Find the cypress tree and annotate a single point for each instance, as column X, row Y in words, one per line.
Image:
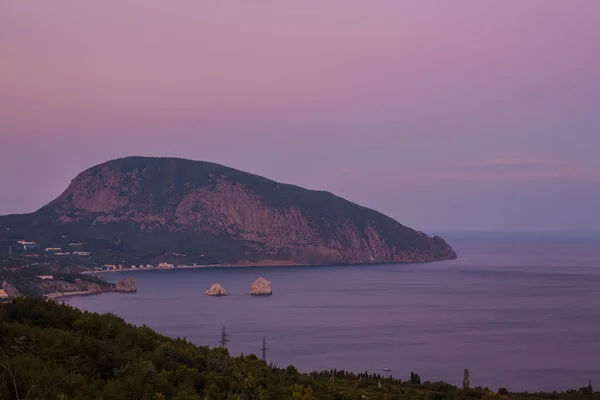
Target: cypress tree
column 465, row 384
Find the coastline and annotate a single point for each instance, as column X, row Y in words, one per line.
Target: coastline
column 154, row 269
column 279, row 263
column 63, row 295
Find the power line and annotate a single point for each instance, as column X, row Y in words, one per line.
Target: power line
column 224, row 338
column 264, row 350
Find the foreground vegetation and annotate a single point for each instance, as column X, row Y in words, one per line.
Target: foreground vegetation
column 53, row 351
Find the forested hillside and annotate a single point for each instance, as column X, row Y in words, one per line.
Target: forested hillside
column 52, row 351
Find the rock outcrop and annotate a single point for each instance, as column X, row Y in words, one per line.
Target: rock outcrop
column 216, row 290
column 126, row 285
column 54, row 288
column 261, row 287
column 94, row 288
column 217, row 214
column 75, row 287
column 10, row 290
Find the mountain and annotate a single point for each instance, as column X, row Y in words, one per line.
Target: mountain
column 201, row 211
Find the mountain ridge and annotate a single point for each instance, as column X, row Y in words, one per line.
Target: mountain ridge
column 151, row 206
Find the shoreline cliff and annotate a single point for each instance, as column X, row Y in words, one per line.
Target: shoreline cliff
column 58, row 289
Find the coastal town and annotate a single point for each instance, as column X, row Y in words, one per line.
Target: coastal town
column 87, row 263
column 71, row 267
column 142, row 267
column 33, row 249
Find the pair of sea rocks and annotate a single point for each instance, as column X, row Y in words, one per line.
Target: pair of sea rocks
column 260, row 287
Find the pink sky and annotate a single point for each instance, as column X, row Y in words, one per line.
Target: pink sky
column 444, row 115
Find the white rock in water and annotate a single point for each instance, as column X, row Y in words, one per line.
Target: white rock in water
column 261, row 287
column 216, row 290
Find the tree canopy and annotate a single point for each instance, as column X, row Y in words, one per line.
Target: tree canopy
column 53, row 351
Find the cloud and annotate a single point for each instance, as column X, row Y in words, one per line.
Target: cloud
column 524, row 169
column 351, row 171
column 506, row 163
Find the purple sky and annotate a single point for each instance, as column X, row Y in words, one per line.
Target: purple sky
column 446, row 115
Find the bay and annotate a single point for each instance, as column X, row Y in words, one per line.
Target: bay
column 521, row 311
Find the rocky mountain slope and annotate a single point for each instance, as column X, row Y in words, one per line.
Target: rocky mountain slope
column 153, row 206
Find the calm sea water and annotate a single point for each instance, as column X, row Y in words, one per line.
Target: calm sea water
column 520, row 311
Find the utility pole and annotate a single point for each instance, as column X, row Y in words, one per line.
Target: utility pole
column 224, row 338
column 264, row 350
column 10, row 250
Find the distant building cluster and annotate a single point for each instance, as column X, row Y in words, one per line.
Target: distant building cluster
column 62, row 251
column 112, row 267
column 54, row 251
column 28, row 246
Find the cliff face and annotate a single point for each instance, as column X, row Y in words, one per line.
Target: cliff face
column 10, row 290
column 177, row 205
column 83, row 287
column 126, row 285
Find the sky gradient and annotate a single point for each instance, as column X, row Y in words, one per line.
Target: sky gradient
column 462, row 115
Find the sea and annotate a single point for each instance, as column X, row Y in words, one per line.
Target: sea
column 520, row 311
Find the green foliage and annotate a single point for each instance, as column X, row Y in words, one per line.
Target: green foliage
column 51, row 351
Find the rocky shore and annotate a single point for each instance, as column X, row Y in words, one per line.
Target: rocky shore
column 125, row 285
column 54, row 289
